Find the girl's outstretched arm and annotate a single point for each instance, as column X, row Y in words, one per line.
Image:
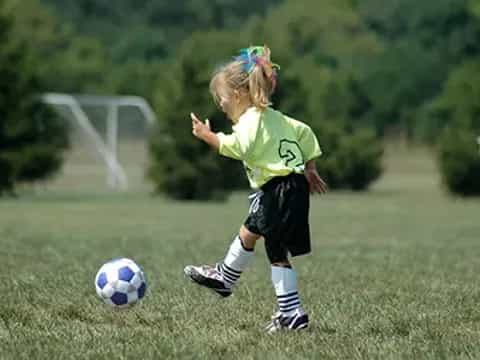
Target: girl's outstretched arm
column 202, row 131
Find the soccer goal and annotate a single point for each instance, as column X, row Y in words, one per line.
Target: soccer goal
column 96, row 122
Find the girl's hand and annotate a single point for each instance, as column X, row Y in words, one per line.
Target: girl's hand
column 317, row 185
column 200, row 129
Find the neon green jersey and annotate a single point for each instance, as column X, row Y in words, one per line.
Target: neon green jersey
column 269, row 144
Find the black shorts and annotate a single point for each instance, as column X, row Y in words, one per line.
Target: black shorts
column 279, row 212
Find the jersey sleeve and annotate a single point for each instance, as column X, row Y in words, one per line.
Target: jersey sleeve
column 307, row 140
column 239, row 144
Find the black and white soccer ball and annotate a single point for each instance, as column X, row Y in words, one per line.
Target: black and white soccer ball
column 120, row 283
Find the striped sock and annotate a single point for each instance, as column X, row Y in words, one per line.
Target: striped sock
column 235, row 261
column 288, row 303
column 285, row 283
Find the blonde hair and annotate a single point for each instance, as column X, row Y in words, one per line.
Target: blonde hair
column 257, row 79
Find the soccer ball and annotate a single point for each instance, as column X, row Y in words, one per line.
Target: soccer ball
column 120, row 283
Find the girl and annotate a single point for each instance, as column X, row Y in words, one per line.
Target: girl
column 278, row 153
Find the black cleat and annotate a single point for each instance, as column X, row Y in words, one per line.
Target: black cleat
column 298, row 320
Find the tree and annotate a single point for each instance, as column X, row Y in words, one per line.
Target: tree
column 458, row 104
column 422, row 40
column 31, row 136
column 459, row 160
column 181, row 166
column 63, row 60
column 152, row 29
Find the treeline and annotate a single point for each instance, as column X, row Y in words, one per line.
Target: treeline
column 386, row 67
column 397, row 55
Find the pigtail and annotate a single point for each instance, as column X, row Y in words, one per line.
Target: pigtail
column 253, row 71
column 260, row 87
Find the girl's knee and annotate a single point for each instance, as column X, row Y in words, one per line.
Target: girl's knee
column 284, row 263
column 249, row 238
column 247, row 235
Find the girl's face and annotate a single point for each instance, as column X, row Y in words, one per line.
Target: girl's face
column 233, row 103
column 227, row 104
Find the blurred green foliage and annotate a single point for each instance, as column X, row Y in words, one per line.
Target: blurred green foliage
column 351, row 160
column 152, row 29
column 32, row 137
column 459, row 159
column 377, row 67
column 182, row 166
column 423, row 42
column 458, row 107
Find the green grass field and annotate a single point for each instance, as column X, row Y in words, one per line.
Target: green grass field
column 394, row 274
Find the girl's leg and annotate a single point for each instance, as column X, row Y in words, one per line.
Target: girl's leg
column 238, row 256
column 284, row 280
column 290, row 314
column 224, row 275
column 249, row 238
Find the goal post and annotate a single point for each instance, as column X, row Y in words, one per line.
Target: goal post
column 106, row 149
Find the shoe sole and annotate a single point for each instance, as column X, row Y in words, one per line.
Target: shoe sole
column 212, row 284
column 273, row 330
column 300, row 323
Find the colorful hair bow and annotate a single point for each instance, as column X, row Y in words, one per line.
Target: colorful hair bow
column 257, row 55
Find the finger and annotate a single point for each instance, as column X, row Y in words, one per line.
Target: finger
column 317, row 185
column 311, row 187
column 207, row 122
column 322, row 181
column 322, row 187
column 194, row 117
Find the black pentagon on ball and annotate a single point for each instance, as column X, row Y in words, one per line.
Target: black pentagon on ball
column 141, row 290
column 125, row 273
column 119, row 298
column 102, row 280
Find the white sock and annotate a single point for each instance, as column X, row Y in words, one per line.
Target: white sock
column 235, row 261
column 285, row 282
